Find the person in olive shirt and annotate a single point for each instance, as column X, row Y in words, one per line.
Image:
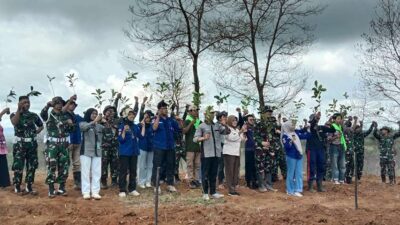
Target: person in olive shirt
column 26, row 126
column 193, row 153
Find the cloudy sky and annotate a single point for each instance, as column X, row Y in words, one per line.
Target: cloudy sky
column 44, row 37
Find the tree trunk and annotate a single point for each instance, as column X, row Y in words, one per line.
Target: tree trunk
column 261, row 97
column 196, row 80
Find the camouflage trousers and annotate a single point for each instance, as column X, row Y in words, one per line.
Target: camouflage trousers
column 328, row 168
column 279, row 162
column 360, row 162
column 57, row 159
column 264, row 161
column 109, row 158
column 24, row 153
column 349, row 165
column 180, row 153
column 387, row 168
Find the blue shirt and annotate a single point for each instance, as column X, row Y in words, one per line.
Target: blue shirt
column 128, row 146
column 163, row 138
column 145, row 142
column 76, row 136
column 290, row 147
column 250, row 143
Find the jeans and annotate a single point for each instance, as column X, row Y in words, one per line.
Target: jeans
column 90, row 167
column 294, row 178
column 316, row 164
column 145, row 166
column 337, row 162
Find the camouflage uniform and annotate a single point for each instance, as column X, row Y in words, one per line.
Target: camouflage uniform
column 386, row 155
column 25, row 147
column 328, row 168
column 57, row 157
column 280, row 157
column 359, row 149
column 180, row 152
column 264, row 157
column 109, row 147
column 349, row 136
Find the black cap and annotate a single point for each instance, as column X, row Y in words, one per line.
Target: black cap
column 149, row 112
column 58, row 100
column 221, row 114
column 386, row 128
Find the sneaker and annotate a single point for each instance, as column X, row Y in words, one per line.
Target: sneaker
column 61, row 190
column 148, row 185
column 142, row 186
column 290, row 194
column 336, row 182
column 171, row 188
column 134, row 193
column 297, row 194
column 341, row 182
column 122, row 194
column 233, row 194
column 270, row 188
column 30, row 190
column 217, row 196
column 96, row 196
column 86, row 196
column 206, row 197
column 262, row 189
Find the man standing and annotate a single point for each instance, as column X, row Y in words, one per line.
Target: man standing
column 75, row 144
column 26, row 127
column 264, row 152
column 250, row 146
column 193, row 154
column 164, row 128
column 359, row 136
column 59, row 126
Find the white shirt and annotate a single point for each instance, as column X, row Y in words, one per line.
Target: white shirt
column 232, row 142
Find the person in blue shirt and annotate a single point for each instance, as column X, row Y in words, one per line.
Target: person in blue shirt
column 164, row 128
column 294, row 157
column 250, row 146
column 146, row 151
column 128, row 134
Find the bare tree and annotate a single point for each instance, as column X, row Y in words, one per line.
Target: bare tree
column 380, row 61
column 262, row 41
column 176, row 27
column 173, row 84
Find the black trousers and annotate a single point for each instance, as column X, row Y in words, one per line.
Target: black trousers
column 165, row 159
column 128, row 164
column 4, row 175
column 209, row 169
column 250, row 167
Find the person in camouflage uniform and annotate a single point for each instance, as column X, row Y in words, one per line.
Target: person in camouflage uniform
column 359, row 136
column 348, row 132
column 264, row 151
column 180, row 152
column 386, row 154
column 59, row 125
column 109, row 147
column 26, row 126
column 328, row 169
column 273, row 128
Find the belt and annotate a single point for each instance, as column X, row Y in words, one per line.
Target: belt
column 53, row 139
column 20, row 139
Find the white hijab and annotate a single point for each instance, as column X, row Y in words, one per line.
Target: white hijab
column 288, row 129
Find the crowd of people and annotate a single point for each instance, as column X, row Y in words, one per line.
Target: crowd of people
column 110, row 145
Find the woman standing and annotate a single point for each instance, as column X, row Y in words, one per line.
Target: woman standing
column 231, row 154
column 128, row 134
column 4, row 175
column 294, row 157
column 91, row 154
column 146, row 153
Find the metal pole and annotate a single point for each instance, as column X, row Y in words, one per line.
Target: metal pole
column 156, row 196
column 356, row 181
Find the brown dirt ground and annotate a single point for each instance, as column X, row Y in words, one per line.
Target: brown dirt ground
column 379, row 204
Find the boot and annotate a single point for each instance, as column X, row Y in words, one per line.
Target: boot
column 17, row 189
column 320, row 187
column 52, row 193
column 114, row 182
column 349, row 180
column 61, row 190
column 30, row 190
column 77, row 180
column 104, row 184
column 310, row 186
column 383, row 179
column 261, row 183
